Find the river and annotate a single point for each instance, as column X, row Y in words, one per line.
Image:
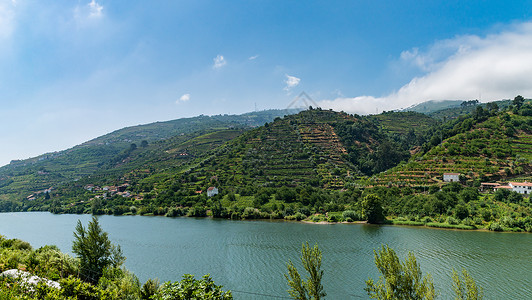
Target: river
column 249, row 257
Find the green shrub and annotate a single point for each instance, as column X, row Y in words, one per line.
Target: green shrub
column 191, row 288
column 494, row 226
column 353, row 215
column 452, row 221
column 426, row 219
column 468, row 222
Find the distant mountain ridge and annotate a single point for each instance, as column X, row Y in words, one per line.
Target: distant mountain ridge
column 430, row 106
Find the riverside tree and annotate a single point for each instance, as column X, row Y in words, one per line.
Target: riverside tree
column 372, row 209
column 95, row 251
column 312, row 287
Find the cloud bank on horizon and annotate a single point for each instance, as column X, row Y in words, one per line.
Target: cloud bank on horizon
column 494, row 67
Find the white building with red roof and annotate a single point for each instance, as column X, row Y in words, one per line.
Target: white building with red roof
column 521, row 187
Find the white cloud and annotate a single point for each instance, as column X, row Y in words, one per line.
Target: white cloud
column 219, row 61
column 253, row 57
column 291, row 82
column 183, row 98
column 95, row 9
column 497, row 66
column 86, row 14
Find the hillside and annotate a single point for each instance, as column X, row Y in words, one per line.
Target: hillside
column 119, row 151
column 482, row 147
column 316, row 149
column 320, row 165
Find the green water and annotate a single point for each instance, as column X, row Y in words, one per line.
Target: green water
column 250, row 256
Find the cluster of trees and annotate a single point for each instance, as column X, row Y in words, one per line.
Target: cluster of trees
column 401, row 280
column 96, row 273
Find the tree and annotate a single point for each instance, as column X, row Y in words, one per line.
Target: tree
column 372, row 209
column 95, row 251
column 492, row 107
column 150, row 288
column 461, row 211
column 518, row 101
column 144, row 144
column 399, row 280
column 312, row 287
column 466, row 289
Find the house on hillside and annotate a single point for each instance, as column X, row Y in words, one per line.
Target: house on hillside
column 496, row 188
column 521, row 187
column 488, row 186
column 524, row 188
column 212, row 191
column 451, row 177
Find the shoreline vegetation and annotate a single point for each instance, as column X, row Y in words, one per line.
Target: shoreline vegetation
column 452, row 206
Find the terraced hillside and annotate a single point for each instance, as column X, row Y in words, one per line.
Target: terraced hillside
column 494, row 148
column 316, row 148
column 123, row 150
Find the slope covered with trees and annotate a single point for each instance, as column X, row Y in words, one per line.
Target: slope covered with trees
column 113, row 151
column 320, row 165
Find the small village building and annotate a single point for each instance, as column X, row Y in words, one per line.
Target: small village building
column 507, row 187
column 451, row 177
column 212, row 191
column 521, row 187
column 488, row 186
column 524, row 188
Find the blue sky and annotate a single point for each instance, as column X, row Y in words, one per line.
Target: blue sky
column 74, row 70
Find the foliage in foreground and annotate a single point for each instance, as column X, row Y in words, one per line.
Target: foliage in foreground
column 399, row 280
column 466, row 288
column 190, row 288
column 312, row 287
column 97, row 256
column 95, row 251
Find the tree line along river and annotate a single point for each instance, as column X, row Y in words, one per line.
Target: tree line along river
column 249, row 257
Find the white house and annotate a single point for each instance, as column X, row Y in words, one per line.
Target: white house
column 212, row 191
column 451, row 177
column 521, row 187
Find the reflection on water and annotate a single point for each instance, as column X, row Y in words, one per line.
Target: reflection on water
column 252, row 255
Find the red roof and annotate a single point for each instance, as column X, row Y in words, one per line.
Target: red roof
column 521, row 183
column 503, row 187
column 211, row 188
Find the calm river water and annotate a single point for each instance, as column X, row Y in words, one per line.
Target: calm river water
column 249, row 257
